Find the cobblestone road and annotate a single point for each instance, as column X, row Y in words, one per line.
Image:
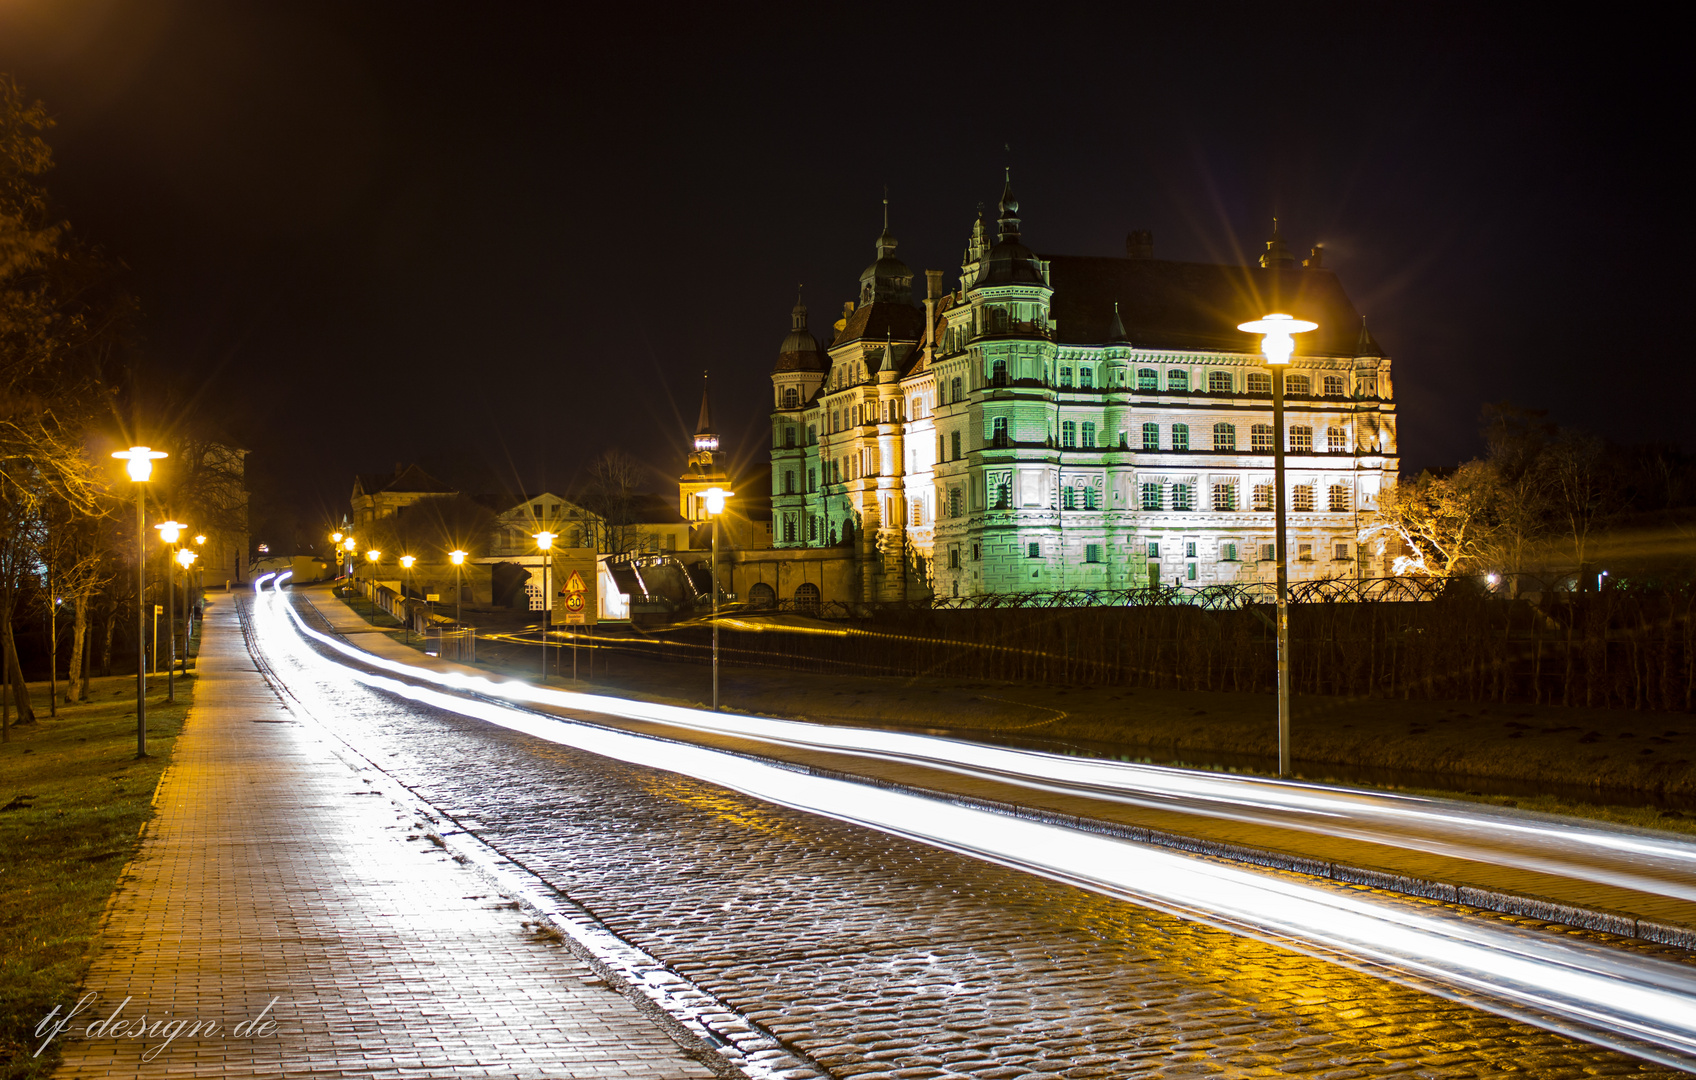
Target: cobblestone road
column 880, row 957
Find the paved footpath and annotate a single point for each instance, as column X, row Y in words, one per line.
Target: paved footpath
column 269, row 877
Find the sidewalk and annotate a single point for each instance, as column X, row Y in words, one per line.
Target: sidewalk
column 267, row 875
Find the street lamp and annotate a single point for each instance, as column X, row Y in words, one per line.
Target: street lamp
column 185, row 559
column 715, row 506
column 458, row 560
column 545, row 541
column 168, row 532
column 373, row 557
column 1277, row 344
column 200, row 576
column 138, row 462
column 406, row 562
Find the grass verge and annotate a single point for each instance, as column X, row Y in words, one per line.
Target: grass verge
column 76, row 799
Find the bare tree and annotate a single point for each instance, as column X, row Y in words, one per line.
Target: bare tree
column 610, row 497
column 1450, row 524
column 1579, row 488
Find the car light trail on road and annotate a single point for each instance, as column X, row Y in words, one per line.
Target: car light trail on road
column 1641, row 1005
column 1615, row 856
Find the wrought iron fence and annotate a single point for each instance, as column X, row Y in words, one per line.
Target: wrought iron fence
column 1535, row 642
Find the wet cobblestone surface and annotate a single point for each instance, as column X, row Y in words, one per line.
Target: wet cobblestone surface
column 879, row 957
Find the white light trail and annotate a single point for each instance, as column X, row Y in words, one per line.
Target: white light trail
column 1642, row 1005
column 1610, row 855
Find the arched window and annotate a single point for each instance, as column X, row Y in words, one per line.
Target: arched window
column 1299, row 384
column 1180, row 436
column 1068, row 435
column 1260, row 438
column 954, row 389
column 1334, row 386
column 1224, row 436
column 1152, row 497
column 1086, row 377
column 1301, row 440
column 1148, row 379
column 998, row 373
column 1178, row 380
column 791, row 398
column 1218, row 382
column 1338, row 498
column 761, row 596
column 1088, row 435
column 1151, row 436
column 1301, row 498
column 1259, row 382
column 1336, row 440
column 998, row 431
column 1065, row 377
column 807, row 595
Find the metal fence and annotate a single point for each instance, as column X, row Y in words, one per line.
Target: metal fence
column 459, row 645
column 1623, row 647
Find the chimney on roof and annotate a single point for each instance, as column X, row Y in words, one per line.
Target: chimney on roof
column 1316, row 260
column 1139, row 244
column 933, row 284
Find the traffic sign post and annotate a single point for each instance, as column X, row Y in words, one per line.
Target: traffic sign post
column 576, row 600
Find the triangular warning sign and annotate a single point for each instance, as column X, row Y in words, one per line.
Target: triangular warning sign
column 575, row 583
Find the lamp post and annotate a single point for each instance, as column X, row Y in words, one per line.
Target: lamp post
column 200, row 575
column 168, row 532
column 185, row 559
column 715, row 506
column 374, row 557
column 1277, row 344
column 336, row 544
column 406, row 562
column 138, row 462
column 458, row 560
column 545, row 541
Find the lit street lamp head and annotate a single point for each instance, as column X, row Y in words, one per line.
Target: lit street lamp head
column 715, row 499
column 1277, row 344
column 351, row 544
column 545, row 539
column 201, row 539
column 187, row 556
column 336, row 538
column 373, row 555
column 457, row 558
column 138, row 461
column 407, row 561
column 170, row 530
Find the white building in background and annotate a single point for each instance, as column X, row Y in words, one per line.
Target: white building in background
column 1077, row 422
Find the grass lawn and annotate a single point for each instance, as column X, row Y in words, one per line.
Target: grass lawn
column 61, row 854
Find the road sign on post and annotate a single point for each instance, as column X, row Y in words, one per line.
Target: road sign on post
column 576, row 599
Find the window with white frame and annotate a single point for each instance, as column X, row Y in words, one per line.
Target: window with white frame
column 1151, row 499
column 1065, row 376
column 1087, row 436
column 1259, row 382
column 1268, row 552
column 1304, row 552
column 1299, row 384
column 1301, row 440
column 998, row 431
column 1341, row 551
column 1218, row 382
column 1337, row 498
column 1154, row 549
column 1178, row 379
column 1033, row 550
column 1183, row 496
column 1068, row 499
column 1333, row 386
column 1092, row 553
column 954, row 389
column 1336, row 440
column 998, row 373
column 1228, row 551
column 1189, row 549
column 1001, row 490
column 1148, row 379
column 1262, row 495
column 1225, row 495
column 1301, row 498
column 1068, row 434
column 1151, row 436
column 1224, row 436
column 1086, row 377
column 1180, row 436
column 1260, row 438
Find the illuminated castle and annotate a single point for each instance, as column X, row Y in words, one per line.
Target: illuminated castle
column 1077, row 422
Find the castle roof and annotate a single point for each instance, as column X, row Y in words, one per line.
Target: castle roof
column 1164, row 304
column 410, row 479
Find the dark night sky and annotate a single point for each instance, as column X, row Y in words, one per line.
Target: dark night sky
column 524, row 232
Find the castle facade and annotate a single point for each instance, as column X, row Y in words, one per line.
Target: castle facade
column 1077, row 422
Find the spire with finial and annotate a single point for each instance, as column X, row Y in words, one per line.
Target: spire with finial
column 1365, row 346
column 1116, row 329
column 704, row 433
column 1277, row 256
column 798, row 314
column 1009, row 220
column 886, row 243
